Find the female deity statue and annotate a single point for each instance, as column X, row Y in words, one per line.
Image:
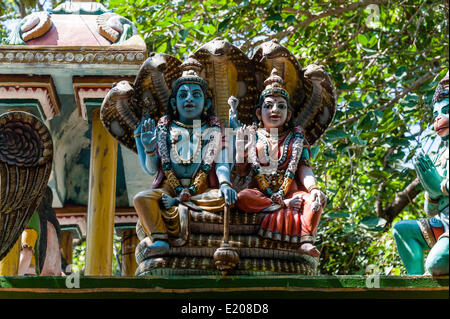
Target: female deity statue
column 283, row 186
column 414, row 237
column 184, row 157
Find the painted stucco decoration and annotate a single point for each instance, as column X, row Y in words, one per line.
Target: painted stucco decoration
column 26, row 155
column 31, row 27
column 115, row 28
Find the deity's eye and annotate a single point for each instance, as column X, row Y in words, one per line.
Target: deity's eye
column 182, row 94
column 197, row 94
column 445, row 109
column 282, row 106
column 267, row 105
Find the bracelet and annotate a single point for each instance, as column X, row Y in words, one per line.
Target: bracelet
column 311, row 188
column 151, row 153
column 225, row 182
column 26, row 246
column 137, row 135
column 431, row 200
column 444, row 187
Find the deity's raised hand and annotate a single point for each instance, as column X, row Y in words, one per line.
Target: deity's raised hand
column 241, row 147
column 149, row 137
column 233, row 102
column 428, row 175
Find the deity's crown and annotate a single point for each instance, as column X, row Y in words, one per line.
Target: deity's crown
column 442, row 89
column 274, row 86
column 191, row 69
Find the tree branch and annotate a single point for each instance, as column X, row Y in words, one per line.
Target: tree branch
column 340, row 10
column 401, row 200
column 405, row 91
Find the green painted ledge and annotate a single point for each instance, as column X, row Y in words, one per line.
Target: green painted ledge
column 235, row 287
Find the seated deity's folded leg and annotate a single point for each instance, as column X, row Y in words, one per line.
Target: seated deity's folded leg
column 252, row 201
column 153, row 217
column 158, row 223
column 308, row 223
column 284, row 224
column 309, row 219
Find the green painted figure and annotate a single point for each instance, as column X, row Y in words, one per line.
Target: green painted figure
column 414, row 237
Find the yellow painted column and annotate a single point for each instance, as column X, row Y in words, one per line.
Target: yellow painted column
column 102, row 200
column 129, row 243
column 9, row 266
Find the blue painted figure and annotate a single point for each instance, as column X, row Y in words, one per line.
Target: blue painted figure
column 414, row 237
column 187, row 157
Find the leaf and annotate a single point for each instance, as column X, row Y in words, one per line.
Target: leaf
column 336, row 134
column 366, row 122
column 373, row 223
column 340, row 214
column 378, row 174
column 362, row 39
column 401, row 71
column 275, row 17
column 358, row 141
column 184, row 33
column 339, row 67
column 356, row 104
column 314, row 151
column 396, row 141
column 329, row 154
column 223, row 25
column 373, row 40
column 290, row 19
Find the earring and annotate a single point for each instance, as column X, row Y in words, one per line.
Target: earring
column 175, row 113
column 260, row 124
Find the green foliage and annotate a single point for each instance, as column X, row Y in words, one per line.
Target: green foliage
column 385, row 73
column 79, row 256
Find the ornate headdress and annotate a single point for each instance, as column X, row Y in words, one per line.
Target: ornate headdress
column 442, row 89
column 191, row 69
column 274, row 87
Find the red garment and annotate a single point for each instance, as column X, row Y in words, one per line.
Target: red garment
column 284, row 224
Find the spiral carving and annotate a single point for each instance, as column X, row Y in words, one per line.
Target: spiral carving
column 24, row 141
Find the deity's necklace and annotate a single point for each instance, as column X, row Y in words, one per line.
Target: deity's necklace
column 212, row 149
column 265, row 137
column 174, row 151
column 261, row 179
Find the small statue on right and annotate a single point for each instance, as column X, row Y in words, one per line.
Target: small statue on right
column 414, row 237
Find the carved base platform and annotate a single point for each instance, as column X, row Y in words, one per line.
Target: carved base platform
column 257, row 256
column 205, row 266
